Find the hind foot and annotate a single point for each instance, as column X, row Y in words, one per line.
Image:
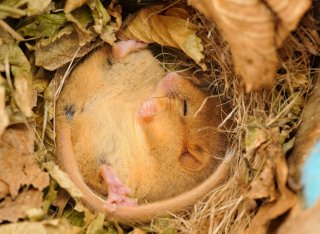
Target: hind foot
column 117, row 191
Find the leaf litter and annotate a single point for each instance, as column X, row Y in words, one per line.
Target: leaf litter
column 238, row 48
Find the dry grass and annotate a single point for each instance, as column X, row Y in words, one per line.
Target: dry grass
column 227, row 209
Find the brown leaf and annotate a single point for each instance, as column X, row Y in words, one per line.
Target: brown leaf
column 61, row 201
column 137, row 231
column 4, row 189
column 18, row 165
column 53, row 226
column 65, row 48
column 289, row 14
column 62, row 179
column 263, row 187
column 304, row 222
column 14, row 209
column 169, row 27
column 4, row 118
column 255, row 30
column 285, row 198
column 23, row 95
column 73, row 4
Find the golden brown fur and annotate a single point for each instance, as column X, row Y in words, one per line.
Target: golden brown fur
column 97, row 123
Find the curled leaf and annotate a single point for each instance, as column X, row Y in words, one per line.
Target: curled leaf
column 104, row 24
column 255, row 30
column 166, row 27
column 62, row 179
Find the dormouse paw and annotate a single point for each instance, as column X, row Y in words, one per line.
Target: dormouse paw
column 122, row 48
column 117, row 192
column 147, row 110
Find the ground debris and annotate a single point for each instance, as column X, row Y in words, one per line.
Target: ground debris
column 19, row 171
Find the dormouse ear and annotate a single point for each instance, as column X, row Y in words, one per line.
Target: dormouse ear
column 191, row 163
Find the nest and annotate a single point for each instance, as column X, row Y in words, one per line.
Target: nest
column 262, row 137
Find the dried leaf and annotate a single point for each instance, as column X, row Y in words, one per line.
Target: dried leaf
column 19, row 8
column 263, row 187
column 289, row 14
column 137, row 231
column 73, row 4
column 4, row 118
column 18, row 167
column 14, row 209
column 304, row 222
column 255, row 136
column 96, row 226
column 20, row 69
column 61, row 201
column 167, row 28
column 286, row 199
column 23, row 95
column 62, row 179
column 104, row 25
column 65, row 48
column 82, row 18
column 35, row 214
column 53, row 226
column 4, row 189
column 254, row 30
column 8, row 29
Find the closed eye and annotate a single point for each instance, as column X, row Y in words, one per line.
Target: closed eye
column 185, row 107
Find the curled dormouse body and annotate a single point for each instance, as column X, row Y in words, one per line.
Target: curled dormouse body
column 150, row 134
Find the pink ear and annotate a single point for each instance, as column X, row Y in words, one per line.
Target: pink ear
column 147, row 110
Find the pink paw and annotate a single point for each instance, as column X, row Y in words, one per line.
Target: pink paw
column 147, row 110
column 122, row 48
column 117, row 192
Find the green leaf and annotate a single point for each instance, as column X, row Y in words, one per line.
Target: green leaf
column 103, row 24
column 99, row 13
column 44, row 25
column 50, row 196
column 74, row 217
column 82, row 17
